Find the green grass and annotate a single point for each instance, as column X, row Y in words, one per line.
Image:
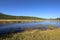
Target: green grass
column 34, row 35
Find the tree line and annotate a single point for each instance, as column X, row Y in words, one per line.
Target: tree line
column 5, row 16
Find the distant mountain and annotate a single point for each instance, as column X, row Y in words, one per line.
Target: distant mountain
column 5, row 16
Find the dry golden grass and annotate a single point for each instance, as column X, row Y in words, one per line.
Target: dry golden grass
column 36, row 35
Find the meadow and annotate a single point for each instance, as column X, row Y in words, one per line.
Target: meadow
column 34, row 35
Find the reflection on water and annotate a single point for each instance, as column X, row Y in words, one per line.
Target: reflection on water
column 4, row 28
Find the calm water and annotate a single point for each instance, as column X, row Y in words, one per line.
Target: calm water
column 5, row 28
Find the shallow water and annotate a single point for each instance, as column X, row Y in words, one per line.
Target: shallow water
column 5, row 28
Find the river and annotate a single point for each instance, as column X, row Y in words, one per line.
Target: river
column 6, row 28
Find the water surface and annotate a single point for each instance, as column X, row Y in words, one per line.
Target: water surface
column 5, row 28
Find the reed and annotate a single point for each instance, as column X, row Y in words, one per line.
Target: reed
column 34, row 35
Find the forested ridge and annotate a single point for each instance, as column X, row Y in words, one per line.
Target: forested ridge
column 5, row 16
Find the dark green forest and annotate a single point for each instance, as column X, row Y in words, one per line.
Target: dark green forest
column 5, row 16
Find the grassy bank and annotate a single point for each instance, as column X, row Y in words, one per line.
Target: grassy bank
column 34, row 35
column 18, row 21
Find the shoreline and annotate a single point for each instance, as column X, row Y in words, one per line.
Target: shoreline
column 18, row 21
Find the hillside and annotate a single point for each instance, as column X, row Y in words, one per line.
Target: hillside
column 5, row 16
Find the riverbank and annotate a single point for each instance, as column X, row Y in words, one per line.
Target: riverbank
column 18, row 21
column 34, row 35
column 3, row 21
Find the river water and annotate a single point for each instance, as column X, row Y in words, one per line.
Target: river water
column 6, row 28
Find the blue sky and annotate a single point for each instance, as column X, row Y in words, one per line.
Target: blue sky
column 38, row 8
